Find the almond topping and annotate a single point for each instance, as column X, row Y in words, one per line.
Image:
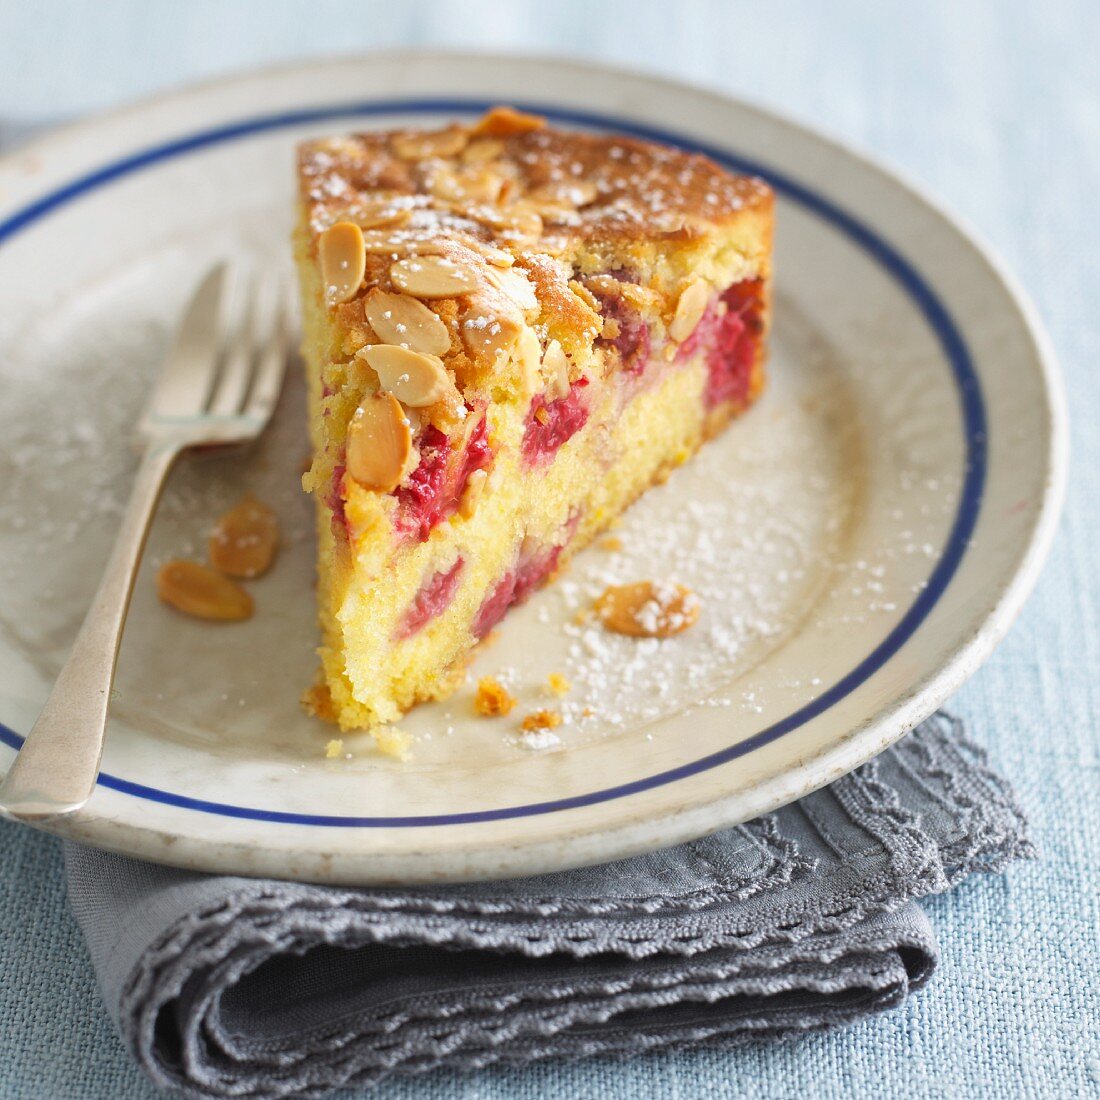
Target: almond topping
column 414, row 379
column 432, row 277
column 437, row 143
column 489, row 337
column 566, row 193
column 343, row 261
column 505, row 121
column 492, row 699
column 689, row 310
column 475, row 486
column 374, row 217
column 197, row 590
column 400, row 319
column 647, row 609
column 244, row 542
column 555, row 371
column 518, row 287
column 379, row 443
column 482, row 151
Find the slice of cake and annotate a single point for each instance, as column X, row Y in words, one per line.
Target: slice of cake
column 511, row 331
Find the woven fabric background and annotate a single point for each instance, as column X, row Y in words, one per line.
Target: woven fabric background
column 993, row 105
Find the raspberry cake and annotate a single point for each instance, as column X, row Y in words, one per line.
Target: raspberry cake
column 511, row 331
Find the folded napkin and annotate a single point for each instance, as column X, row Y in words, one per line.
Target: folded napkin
column 797, row 921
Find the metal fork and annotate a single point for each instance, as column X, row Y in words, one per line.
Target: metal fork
column 218, row 386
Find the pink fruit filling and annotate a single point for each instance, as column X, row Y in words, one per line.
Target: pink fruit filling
column 431, row 601
column 729, row 339
column 335, row 501
column 632, row 341
column 549, row 425
column 533, row 566
column 432, row 491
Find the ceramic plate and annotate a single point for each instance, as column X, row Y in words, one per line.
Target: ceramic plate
column 860, row 540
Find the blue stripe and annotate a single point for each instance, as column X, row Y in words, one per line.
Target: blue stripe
column 903, row 272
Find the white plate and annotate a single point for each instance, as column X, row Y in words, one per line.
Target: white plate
column 862, row 539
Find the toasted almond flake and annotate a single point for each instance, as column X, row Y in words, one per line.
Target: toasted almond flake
column 555, row 371
column 504, row 122
column 343, row 261
column 489, row 337
column 647, row 609
column 475, row 486
column 401, row 241
column 492, row 699
column 244, row 541
column 528, row 352
column 517, row 286
column 418, row 145
column 517, row 224
column 379, row 443
column 413, row 378
column 377, row 216
column 432, row 277
column 689, row 310
column 406, row 321
column 482, row 151
column 565, row 194
column 199, row 591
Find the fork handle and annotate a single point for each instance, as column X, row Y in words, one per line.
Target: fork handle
column 56, row 769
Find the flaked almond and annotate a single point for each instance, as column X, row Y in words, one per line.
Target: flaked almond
column 414, row 145
column 482, row 151
column 475, row 486
column 432, row 277
column 529, row 353
column 555, row 371
column 493, row 255
column 647, row 609
column 377, row 215
column 689, row 310
column 571, row 193
column 407, row 321
column 244, row 541
column 517, row 286
column 343, row 261
column 198, row 590
column 505, row 121
column 394, row 239
column 517, row 224
column 413, row 378
column 488, row 337
column 470, row 184
column 379, row 443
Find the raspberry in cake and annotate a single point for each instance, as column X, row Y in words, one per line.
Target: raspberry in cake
column 511, row 331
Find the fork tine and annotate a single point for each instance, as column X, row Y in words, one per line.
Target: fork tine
column 272, row 330
column 240, row 347
column 185, row 379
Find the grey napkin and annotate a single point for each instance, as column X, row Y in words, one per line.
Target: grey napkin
column 800, row 920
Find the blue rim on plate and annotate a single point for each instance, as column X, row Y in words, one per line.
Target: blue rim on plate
column 935, row 313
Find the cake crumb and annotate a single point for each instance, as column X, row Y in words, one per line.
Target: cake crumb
column 492, row 699
column 334, row 748
column 612, row 542
column 541, row 720
column 393, row 742
column 557, row 684
column 647, row 609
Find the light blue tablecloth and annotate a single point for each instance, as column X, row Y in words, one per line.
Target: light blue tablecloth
column 996, row 107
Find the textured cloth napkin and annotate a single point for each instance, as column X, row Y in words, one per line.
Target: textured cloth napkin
column 799, row 920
